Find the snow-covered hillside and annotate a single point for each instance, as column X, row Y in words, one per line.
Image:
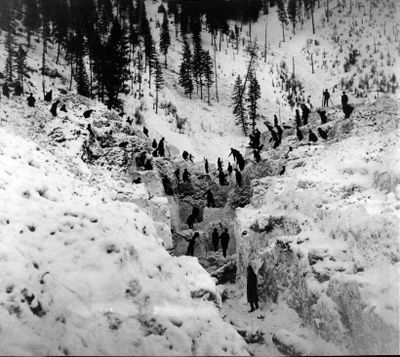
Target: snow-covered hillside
column 324, row 234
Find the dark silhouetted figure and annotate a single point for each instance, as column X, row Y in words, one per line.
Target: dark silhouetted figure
column 178, row 175
column 6, row 90
column 257, row 156
column 215, row 239
column 167, row 185
column 230, row 169
column 280, row 132
column 252, row 289
column 185, row 155
column 154, row 144
column 347, row 110
column 186, row 176
column 87, row 113
column 53, row 109
column 312, row 137
column 240, row 161
column 306, row 113
column 161, row 147
column 191, row 157
column 155, row 153
column 129, row 120
column 18, row 90
column 274, row 136
column 148, row 164
column 192, row 243
column 235, row 153
column 299, row 134
column 326, row 96
column 238, row 177
column 283, row 169
column 276, row 120
column 31, row 100
column 345, row 100
column 210, row 198
column 323, row 134
column 322, row 115
column 49, row 96
column 221, row 177
column 190, row 221
column 146, row 131
column 206, row 167
column 63, row 108
column 219, row 163
column 121, row 114
column 298, row 120
column 224, row 241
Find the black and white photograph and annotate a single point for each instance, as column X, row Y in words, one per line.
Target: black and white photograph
column 199, row 177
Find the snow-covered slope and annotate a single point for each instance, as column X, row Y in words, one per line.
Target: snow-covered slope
column 84, row 274
column 324, row 237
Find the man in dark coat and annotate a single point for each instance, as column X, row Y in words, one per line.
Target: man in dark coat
column 210, row 198
column 230, row 169
column 49, row 96
column 185, row 155
column 190, row 221
column 240, row 161
column 219, row 163
column 206, row 167
column 224, row 241
column 252, row 289
column 306, row 113
column 238, row 177
column 215, row 239
column 298, row 120
column 234, row 153
column 146, row 131
column 161, row 148
column 185, row 176
column 345, row 100
column 53, row 109
column 221, row 177
column 31, row 101
column 154, row 144
column 192, row 243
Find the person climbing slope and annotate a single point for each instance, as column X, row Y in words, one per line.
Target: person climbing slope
column 252, row 289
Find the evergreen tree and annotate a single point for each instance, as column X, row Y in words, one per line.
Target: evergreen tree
column 81, row 77
column 140, row 68
column 185, row 70
column 239, row 110
column 11, row 54
column 282, row 15
column 197, row 65
column 292, row 13
column 61, row 23
column 253, row 95
column 21, row 67
column 208, row 72
column 117, row 62
column 309, row 5
column 165, row 39
column 158, row 79
column 31, row 19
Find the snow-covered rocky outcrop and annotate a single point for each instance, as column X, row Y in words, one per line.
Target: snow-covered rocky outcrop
column 83, row 270
column 324, row 236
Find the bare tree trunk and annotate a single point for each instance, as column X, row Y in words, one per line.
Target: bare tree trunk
column 215, row 72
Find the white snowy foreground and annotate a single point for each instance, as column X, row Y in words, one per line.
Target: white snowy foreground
column 83, row 274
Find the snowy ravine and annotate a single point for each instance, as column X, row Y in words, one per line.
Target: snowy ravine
column 82, row 272
column 324, row 236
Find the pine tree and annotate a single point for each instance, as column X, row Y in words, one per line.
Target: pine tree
column 185, row 70
column 21, row 67
column 208, row 72
column 117, row 62
column 165, row 39
column 282, row 16
column 11, row 54
column 61, row 24
column 292, row 12
column 253, row 95
column 239, row 110
column 309, row 6
column 81, row 77
column 158, row 79
column 197, row 66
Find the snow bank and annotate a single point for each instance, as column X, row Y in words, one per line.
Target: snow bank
column 83, row 273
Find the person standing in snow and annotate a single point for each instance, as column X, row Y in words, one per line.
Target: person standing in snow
column 326, row 96
column 345, row 100
column 185, row 176
column 219, row 164
column 49, row 96
column 252, row 289
column 154, row 144
column 224, row 241
column 298, row 121
column 215, row 239
column 191, row 157
column 230, row 169
column 210, row 198
column 221, row 177
column 206, row 167
column 192, row 243
column 190, row 221
column 161, row 148
column 185, row 155
column 31, row 101
column 146, row 131
column 18, row 89
column 53, row 109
